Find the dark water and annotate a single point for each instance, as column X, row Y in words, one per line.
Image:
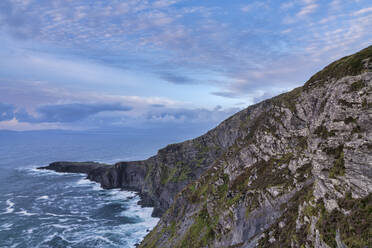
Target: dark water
column 48, row 209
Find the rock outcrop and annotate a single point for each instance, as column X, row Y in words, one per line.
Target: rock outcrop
column 291, row 171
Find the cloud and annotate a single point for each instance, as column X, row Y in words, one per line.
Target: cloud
column 64, row 113
column 19, row 23
column 254, row 5
column 362, row 11
column 122, row 52
column 287, row 5
column 164, row 3
column 182, row 115
column 177, row 79
column 16, row 125
column 157, row 105
column 227, row 94
column 308, row 9
column 263, row 97
column 6, row 111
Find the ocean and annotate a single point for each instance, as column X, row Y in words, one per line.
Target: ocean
column 49, row 209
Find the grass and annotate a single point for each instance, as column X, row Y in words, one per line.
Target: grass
column 338, row 168
column 347, row 66
column 200, row 233
column 289, row 234
column 356, row 86
column 355, row 228
column 323, row 132
column 289, row 99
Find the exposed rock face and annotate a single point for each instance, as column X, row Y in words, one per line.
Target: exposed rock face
column 292, row 171
column 298, row 173
column 159, row 178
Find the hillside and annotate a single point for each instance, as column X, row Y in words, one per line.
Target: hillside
column 291, row 171
column 298, row 174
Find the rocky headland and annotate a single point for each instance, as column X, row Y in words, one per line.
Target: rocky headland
column 291, row 171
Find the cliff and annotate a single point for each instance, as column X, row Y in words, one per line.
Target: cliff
column 291, row 171
column 159, row 178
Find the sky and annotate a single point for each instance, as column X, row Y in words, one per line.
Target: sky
column 112, row 64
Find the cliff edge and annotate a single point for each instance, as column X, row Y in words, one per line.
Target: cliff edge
column 291, row 171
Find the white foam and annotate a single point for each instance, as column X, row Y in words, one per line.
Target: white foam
column 94, row 237
column 86, row 182
column 25, row 213
column 6, row 226
column 117, row 194
column 10, row 208
column 61, row 226
column 44, row 197
column 63, row 220
column 41, row 172
column 52, row 236
column 58, row 215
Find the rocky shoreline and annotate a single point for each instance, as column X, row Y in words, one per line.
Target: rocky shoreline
column 277, row 174
column 104, row 175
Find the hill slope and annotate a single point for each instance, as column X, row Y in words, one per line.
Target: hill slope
column 297, row 171
column 291, row 171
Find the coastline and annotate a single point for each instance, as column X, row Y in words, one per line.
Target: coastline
column 92, row 170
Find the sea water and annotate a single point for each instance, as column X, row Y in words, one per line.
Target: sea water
column 49, row 209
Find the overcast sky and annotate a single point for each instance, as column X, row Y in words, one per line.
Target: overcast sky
column 93, row 64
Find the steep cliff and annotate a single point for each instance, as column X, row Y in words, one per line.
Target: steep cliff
column 159, row 178
column 299, row 172
column 295, row 170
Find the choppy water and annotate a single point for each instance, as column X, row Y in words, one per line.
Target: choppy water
column 48, row 209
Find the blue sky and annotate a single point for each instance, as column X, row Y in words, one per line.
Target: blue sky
column 106, row 64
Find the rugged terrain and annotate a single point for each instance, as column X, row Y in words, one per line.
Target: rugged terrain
column 291, row 171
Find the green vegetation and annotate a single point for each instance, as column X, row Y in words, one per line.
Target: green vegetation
column 347, row 66
column 304, row 172
column 355, row 228
column 269, row 173
column 345, row 103
column 322, row 105
column 323, row 132
column 152, row 238
column 174, row 174
column 172, row 229
column 195, row 192
column 289, row 99
column 252, row 203
column 349, row 120
column 369, row 146
column 338, row 168
column 288, row 234
column 200, row 233
column 364, row 103
column 356, row 86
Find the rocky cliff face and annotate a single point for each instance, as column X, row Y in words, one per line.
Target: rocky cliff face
column 159, row 178
column 298, row 172
column 292, row 171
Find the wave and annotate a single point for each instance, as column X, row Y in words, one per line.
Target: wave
column 25, row 213
column 118, row 194
column 6, row 227
column 44, row 197
column 86, row 182
column 75, row 221
column 10, row 208
column 35, row 171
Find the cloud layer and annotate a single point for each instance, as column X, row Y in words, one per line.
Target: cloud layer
column 116, row 62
